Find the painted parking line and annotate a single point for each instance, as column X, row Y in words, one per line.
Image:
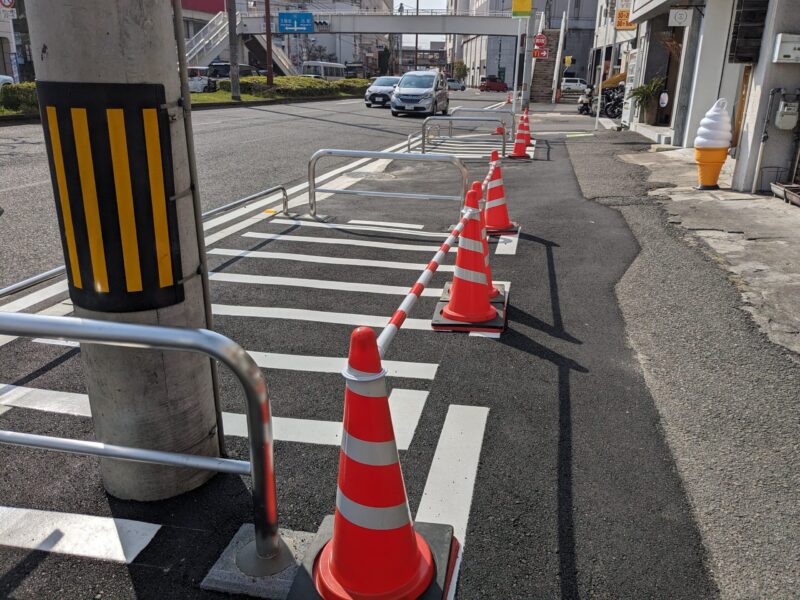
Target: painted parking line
column 406, row 407
column 60, row 309
column 315, row 316
column 507, row 244
column 325, row 260
column 335, row 364
column 101, row 538
column 311, row 364
column 36, row 297
column 319, row 284
column 387, row 224
column 447, row 497
column 347, row 227
column 338, row 242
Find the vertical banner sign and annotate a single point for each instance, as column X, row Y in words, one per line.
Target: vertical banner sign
column 623, row 15
column 111, row 166
column 520, row 8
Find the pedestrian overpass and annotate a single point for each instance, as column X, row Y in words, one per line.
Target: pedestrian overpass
column 207, row 44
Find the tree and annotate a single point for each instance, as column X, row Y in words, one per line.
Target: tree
column 459, row 70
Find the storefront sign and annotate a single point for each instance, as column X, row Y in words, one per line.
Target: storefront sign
column 679, row 17
column 520, row 8
column 663, row 99
column 540, row 53
column 622, row 16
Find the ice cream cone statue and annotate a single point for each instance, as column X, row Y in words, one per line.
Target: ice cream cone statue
column 711, row 145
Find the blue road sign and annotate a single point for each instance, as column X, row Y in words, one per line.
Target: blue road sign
column 295, row 22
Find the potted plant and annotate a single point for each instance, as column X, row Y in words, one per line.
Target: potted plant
column 645, row 96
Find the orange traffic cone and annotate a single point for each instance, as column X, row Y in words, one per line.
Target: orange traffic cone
column 519, row 145
column 375, row 551
column 465, row 305
column 497, row 218
column 499, row 130
column 477, row 187
column 525, row 128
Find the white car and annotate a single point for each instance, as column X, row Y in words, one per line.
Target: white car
column 199, row 80
column 572, row 84
column 380, row 91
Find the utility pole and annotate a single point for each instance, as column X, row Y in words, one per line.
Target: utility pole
column 268, row 23
column 233, row 50
column 527, row 71
column 416, row 45
column 119, row 145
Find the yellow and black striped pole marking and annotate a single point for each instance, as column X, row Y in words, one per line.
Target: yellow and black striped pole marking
column 111, row 165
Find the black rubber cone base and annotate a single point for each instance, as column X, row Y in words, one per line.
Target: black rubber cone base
column 526, row 157
column 501, row 298
column 442, row 323
column 706, row 187
column 507, row 231
column 444, row 548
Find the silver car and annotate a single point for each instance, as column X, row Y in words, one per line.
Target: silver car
column 421, row 92
column 380, row 91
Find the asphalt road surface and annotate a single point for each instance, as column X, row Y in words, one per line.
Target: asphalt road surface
column 544, row 448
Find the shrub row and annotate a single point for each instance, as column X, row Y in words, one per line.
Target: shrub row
column 19, row 96
column 296, row 86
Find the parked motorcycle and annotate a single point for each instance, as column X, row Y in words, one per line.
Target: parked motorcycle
column 613, row 99
column 585, row 101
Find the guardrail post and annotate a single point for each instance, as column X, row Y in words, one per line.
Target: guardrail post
column 121, row 166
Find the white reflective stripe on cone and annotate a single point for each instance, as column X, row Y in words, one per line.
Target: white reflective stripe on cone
column 473, row 276
column 495, row 183
column 469, row 244
column 376, row 454
column 495, row 203
column 369, row 389
column 370, row 517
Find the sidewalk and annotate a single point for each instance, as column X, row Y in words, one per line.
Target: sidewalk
column 757, row 238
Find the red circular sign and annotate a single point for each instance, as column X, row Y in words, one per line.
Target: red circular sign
column 7, row 4
column 540, row 40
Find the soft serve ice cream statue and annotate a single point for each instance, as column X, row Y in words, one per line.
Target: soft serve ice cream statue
column 711, row 145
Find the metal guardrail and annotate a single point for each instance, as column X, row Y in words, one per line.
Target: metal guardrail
column 269, row 554
column 55, row 272
column 506, row 113
column 459, row 119
column 448, row 158
column 418, row 134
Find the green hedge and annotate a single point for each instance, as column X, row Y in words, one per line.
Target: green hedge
column 19, row 96
column 295, row 86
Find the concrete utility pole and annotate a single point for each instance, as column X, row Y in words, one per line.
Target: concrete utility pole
column 527, row 71
column 233, row 50
column 268, row 22
column 416, row 45
column 118, row 140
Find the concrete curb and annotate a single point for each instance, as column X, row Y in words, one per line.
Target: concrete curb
column 34, row 118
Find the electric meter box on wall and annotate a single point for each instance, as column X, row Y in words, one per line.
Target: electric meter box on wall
column 787, row 48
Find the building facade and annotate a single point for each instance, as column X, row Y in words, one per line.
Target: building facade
column 725, row 49
column 489, row 55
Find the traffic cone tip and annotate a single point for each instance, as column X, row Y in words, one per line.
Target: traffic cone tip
column 364, row 355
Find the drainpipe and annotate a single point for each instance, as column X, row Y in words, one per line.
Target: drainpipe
column 764, row 137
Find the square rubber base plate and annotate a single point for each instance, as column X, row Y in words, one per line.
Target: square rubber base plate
column 444, row 548
column 440, row 323
column 514, row 229
column 501, row 298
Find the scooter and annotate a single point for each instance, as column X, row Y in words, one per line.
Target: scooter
column 585, row 101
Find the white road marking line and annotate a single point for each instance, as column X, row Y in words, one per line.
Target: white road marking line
column 485, row 334
column 326, row 260
column 347, row 227
column 338, row 242
column 406, row 407
column 102, row 538
column 386, row 224
column 35, row 297
column 61, row 309
column 312, row 364
column 447, row 496
column 315, row 316
column 349, row 101
column 320, row 284
column 507, row 244
column 335, row 364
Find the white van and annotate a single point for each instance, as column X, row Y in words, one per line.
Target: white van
column 198, row 80
column 327, row 70
column 573, row 84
